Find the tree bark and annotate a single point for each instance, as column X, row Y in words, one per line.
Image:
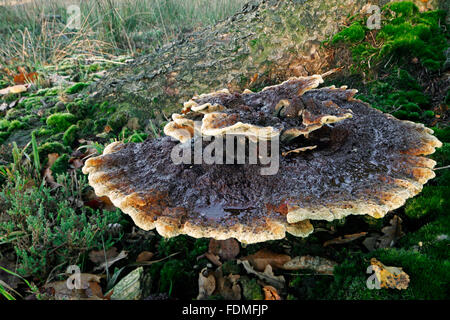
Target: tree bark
column 267, row 42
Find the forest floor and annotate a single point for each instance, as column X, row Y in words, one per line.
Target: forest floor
column 50, row 218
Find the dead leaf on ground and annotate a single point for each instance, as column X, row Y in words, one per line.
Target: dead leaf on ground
column 267, row 276
column 390, row 277
column 264, row 257
column 133, row 124
column 86, row 289
column 48, row 177
column 14, row 89
column 344, row 239
column 24, row 77
column 317, row 264
column 109, row 262
column 211, row 257
column 107, row 129
column 227, row 286
column 390, row 236
column 270, row 293
column 76, row 163
column 144, row 256
column 100, row 256
column 225, row 249
column 206, row 284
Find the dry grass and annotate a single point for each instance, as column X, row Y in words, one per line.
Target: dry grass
column 36, row 32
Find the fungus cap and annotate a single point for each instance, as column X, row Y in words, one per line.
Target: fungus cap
column 337, row 157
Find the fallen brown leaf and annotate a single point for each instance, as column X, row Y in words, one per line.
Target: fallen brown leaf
column 270, row 293
column 264, row 257
column 24, row 77
column 100, row 256
column 390, row 236
column 344, row 239
column 144, row 256
column 268, row 276
column 225, row 249
column 206, row 284
column 14, row 89
column 390, row 277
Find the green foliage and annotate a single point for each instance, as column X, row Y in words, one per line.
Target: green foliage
column 354, row 33
column 118, row 120
column 251, row 290
column 76, row 87
column 50, row 147
column 54, row 232
column 16, row 125
column 61, row 121
column 432, row 200
column 70, row 135
column 405, row 34
column 61, row 165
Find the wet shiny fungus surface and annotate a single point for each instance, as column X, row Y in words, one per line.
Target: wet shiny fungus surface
column 337, row 156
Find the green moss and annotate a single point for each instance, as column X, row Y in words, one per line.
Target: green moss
column 4, row 136
column 230, row 267
column 12, row 114
column 405, row 34
column 4, row 124
column 61, row 121
column 50, row 147
column 61, row 165
column 432, row 200
column 70, row 135
column 175, row 279
column 16, row 125
column 354, row 33
column 118, row 120
column 443, row 133
column 251, row 290
column 31, row 103
column 43, row 131
column 86, row 127
column 76, row 88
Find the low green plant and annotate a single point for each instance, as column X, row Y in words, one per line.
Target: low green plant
column 55, row 230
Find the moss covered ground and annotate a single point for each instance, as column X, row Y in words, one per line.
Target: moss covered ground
column 49, row 217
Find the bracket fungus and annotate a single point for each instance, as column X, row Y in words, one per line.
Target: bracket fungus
column 337, row 157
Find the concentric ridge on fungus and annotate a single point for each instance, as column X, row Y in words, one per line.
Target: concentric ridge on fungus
column 338, row 157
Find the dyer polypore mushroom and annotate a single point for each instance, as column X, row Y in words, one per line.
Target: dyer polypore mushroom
column 337, row 156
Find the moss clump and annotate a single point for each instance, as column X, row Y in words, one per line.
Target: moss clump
column 4, row 136
column 61, row 165
column 86, row 127
column 12, row 114
column 43, row 131
column 251, row 290
column 354, row 33
column 432, row 200
column 16, row 125
column 405, row 34
column 70, row 135
column 118, row 120
column 4, row 124
column 50, row 147
column 76, row 88
column 61, row 121
column 175, row 278
column 230, row 267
